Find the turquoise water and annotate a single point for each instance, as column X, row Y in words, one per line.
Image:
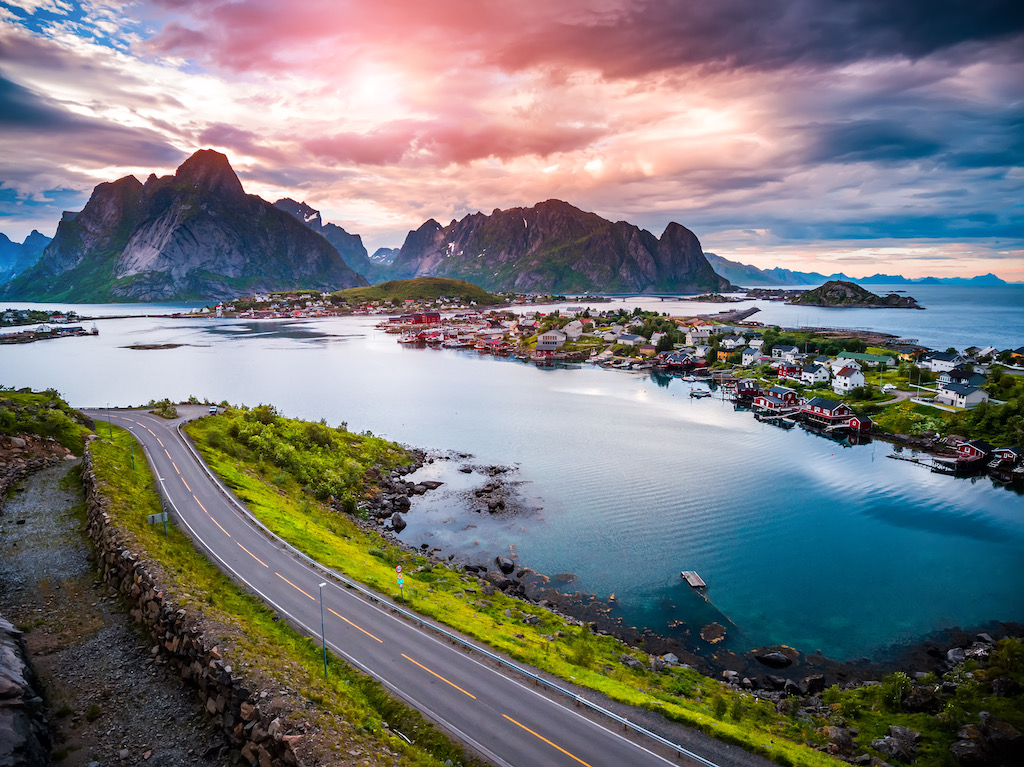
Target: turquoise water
column 626, row 479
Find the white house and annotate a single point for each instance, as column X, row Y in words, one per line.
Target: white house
column 959, row 395
column 756, row 343
column 940, row 362
column 751, row 356
column 847, row 379
column 784, row 353
column 838, row 364
column 813, row 374
column 550, row 340
column 733, row 342
column 697, row 335
column 573, row 330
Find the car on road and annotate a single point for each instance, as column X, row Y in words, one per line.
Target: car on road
column 213, row 410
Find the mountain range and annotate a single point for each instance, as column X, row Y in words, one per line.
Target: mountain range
column 196, row 235
column 554, row 247
column 752, row 277
column 193, row 235
column 16, row 257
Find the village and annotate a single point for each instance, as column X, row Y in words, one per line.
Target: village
column 830, row 386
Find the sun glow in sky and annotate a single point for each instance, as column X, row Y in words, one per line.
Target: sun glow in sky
column 860, row 136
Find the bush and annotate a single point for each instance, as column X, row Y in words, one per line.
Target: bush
column 894, row 690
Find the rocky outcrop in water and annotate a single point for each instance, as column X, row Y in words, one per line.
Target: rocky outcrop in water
column 841, row 294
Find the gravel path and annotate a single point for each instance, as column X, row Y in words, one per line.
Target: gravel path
column 109, row 701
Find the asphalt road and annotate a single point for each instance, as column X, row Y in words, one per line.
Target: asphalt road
column 505, row 720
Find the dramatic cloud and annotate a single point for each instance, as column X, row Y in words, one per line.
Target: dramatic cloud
column 782, row 133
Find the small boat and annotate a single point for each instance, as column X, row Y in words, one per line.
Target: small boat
column 700, row 394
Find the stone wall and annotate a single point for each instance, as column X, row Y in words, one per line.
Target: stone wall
column 24, row 731
column 256, row 735
column 22, row 454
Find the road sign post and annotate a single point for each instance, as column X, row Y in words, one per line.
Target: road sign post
column 401, row 581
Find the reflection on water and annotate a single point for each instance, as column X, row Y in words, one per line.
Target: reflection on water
column 626, row 480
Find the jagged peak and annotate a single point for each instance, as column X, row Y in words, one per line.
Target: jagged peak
column 212, row 171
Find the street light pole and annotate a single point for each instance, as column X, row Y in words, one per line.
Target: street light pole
column 323, row 634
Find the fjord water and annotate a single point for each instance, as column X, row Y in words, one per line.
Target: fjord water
column 627, row 479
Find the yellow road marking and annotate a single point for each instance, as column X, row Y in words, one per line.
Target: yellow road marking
column 251, row 554
column 545, row 740
column 168, row 455
column 461, row 690
column 186, row 484
column 350, row 623
column 149, row 430
column 158, row 440
column 221, row 528
column 175, row 467
column 208, row 513
column 293, row 585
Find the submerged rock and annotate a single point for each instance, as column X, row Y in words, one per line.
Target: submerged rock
column 773, row 659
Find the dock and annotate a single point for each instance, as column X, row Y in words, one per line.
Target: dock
column 693, row 579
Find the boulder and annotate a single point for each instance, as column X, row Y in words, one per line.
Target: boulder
column 841, row 737
column 630, row 662
column 970, row 751
column 894, row 748
column 773, row 659
column 1005, row 687
column 922, row 700
column 505, row 564
column 398, row 522
column 811, row 685
column 775, row 682
column 955, row 656
column 497, row 579
column 670, row 658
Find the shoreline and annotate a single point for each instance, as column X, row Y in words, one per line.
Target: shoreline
column 926, row 654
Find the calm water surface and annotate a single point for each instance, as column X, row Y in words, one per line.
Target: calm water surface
column 627, row 479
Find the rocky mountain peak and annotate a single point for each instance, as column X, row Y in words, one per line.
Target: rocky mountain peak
column 307, row 215
column 210, row 170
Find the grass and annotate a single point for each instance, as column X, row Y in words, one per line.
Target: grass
column 259, row 642
column 419, row 289
column 42, row 413
column 451, row 597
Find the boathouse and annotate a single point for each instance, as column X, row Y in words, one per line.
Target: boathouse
column 833, row 415
column 973, row 450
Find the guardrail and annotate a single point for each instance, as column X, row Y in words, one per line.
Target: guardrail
column 420, row 620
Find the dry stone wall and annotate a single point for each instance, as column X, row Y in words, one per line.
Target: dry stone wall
column 259, row 737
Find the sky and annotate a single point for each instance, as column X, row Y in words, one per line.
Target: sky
column 860, row 136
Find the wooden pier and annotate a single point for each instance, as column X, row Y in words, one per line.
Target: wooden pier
column 693, row 579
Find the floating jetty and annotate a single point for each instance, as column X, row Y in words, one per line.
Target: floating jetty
column 693, row 579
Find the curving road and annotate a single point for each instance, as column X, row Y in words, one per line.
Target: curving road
column 504, row 720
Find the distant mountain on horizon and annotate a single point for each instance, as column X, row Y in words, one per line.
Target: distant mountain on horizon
column 16, row 257
column 384, row 256
column 195, row 235
column 753, row 277
column 555, row 247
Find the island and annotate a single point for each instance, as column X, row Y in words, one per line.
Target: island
column 841, row 294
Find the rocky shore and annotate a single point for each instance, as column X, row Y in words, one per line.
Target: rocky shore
column 793, row 681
